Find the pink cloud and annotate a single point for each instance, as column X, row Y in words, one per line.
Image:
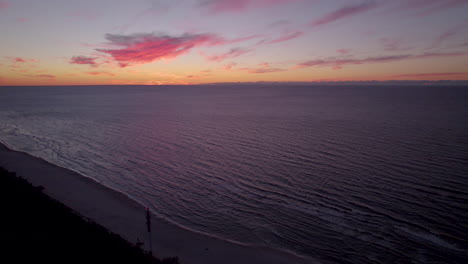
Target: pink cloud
column 225, row 6
column 444, row 36
column 265, row 67
column 233, row 53
column 20, row 59
column 286, row 37
column 347, row 11
column 438, row 54
column 333, row 62
column 265, row 70
column 83, row 60
column 229, row 66
column 23, row 20
column 45, row 76
column 426, row 75
column 4, row 5
column 450, row 33
column 100, row 73
column 146, row 48
column 343, row 51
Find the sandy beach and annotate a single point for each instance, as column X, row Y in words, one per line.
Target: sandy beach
column 125, row 217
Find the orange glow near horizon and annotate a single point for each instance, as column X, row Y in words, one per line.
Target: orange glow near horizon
column 219, row 41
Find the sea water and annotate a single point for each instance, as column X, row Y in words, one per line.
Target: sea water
column 346, row 174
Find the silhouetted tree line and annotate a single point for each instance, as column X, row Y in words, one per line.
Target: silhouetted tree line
column 35, row 228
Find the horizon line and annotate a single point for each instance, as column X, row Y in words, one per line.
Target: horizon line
column 343, row 82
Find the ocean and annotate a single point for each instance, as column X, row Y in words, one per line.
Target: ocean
column 343, row 174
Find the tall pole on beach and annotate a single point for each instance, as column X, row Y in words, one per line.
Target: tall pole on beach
column 148, row 225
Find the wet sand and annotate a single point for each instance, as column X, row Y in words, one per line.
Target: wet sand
column 121, row 215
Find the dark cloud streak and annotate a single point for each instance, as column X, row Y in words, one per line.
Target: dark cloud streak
column 233, row 53
column 83, row 60
column 333, row 62
column 347, row 11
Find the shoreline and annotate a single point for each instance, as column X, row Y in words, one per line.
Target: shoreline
column 57, row 234
column 126, row 217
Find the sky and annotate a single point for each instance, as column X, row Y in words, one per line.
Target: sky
column 90, row 42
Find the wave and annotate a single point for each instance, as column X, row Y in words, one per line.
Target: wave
column 266, row 179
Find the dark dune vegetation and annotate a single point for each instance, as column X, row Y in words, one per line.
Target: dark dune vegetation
column 35, row 228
